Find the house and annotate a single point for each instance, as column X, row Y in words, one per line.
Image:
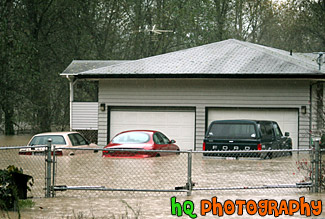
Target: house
column 181, row 92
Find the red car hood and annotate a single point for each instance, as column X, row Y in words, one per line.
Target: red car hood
column 129, row 146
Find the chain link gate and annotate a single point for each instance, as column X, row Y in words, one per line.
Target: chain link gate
column 92, row 172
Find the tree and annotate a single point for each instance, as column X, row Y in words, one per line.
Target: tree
column 10, row 66
column 311, row 18
column 39, row 38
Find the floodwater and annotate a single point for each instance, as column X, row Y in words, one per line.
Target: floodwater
column 154, row 173
column 14, row 140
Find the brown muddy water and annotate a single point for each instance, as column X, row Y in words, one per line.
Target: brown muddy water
column 14, row 140
column 154, row 173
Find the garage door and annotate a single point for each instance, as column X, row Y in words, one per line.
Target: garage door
column 176, row 124
column 286, row 118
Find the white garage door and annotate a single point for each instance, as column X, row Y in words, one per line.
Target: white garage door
column 286, row 118
column 178, row 125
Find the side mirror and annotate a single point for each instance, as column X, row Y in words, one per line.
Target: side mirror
column 287, row 134
column 172, row 141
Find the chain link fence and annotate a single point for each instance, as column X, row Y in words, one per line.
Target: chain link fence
column 240, row 174
column 34, row 166
column 92, row 174
column 91, row 135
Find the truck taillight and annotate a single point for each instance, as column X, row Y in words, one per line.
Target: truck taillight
column 259, row 147
column 204, row 146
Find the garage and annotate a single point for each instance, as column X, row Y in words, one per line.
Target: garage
column 176, row 123
column 179, row 93
column 286, row 118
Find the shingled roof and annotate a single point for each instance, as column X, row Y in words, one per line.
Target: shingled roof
column 78, row 66
column 228, row 58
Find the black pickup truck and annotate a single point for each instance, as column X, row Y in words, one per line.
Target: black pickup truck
column 244, row 135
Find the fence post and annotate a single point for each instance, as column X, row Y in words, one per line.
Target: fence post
column 53, row 176
column 189, row 174
column 312, row 164
column 317, row 165
column 48, row 168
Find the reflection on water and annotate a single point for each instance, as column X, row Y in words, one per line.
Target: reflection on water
column 153, row 173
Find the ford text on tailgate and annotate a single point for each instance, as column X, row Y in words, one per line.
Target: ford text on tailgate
column 244, row 135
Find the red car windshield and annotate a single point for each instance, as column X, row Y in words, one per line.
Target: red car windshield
column 131, row 138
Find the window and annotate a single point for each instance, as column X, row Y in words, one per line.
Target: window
column 131, row 138
column 266, row 130
column 158, row 139
column 76, row 139
column 232, row 131
column 164, row 138
column 277, row 130
column 42, row 140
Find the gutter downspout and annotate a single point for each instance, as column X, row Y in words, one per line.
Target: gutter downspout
column 72, row 81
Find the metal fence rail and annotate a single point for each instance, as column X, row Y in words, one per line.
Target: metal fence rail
column 185, row 171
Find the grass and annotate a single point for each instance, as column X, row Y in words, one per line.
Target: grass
column 25, row 203
column 130, row 213
column 22, row 203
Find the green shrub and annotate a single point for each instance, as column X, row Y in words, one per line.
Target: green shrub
column 10, row 187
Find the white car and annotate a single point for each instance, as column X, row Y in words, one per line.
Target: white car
column 59, row 140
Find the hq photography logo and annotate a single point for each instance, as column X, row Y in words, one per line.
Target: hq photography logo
column 239, row 207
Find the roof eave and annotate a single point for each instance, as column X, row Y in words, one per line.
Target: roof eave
column 199, row 75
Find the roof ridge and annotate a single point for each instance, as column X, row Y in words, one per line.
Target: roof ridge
column 212, row 59
column 149, row 57
column 272, row 50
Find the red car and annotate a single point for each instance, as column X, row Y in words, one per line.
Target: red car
column 140, row 140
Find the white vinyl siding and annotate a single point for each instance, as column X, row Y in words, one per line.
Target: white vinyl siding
column 84, row 115
column 202, row 93
column 318, row 109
